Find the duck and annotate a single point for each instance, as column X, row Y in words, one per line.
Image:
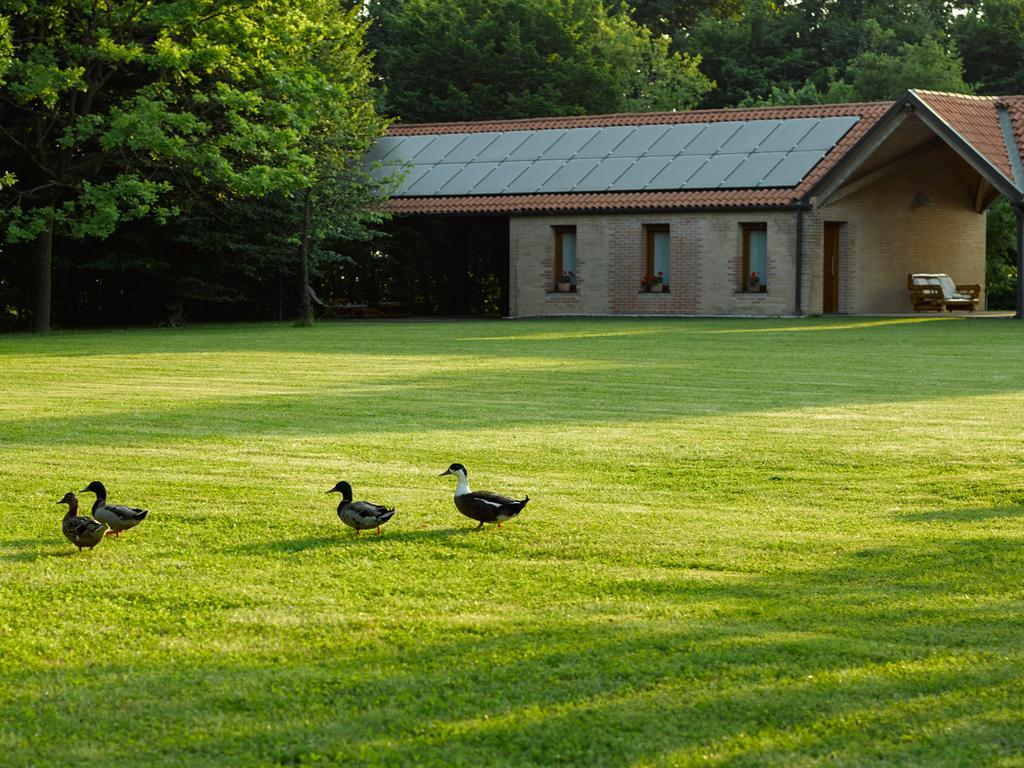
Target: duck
column 361, row 515
column 80, row 531
column 482, row 506
column 117, row 517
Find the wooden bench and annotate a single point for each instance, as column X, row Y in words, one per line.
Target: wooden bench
column 937, row 291
column 380, row 309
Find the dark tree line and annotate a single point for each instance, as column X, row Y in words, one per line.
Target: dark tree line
column 196, row 159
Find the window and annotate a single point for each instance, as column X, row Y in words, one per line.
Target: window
column 565, row 258
column 656, row 251
column 755, row 258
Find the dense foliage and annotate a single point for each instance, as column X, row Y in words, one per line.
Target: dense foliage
column 194, row 159
column 121, row 111
column 494, row 59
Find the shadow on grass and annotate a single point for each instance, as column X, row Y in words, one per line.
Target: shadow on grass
column 343, row 537
column 866, row 662
column 966, row 515
column 601, row 391
column 29, row 550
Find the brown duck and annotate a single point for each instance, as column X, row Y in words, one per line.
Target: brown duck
column 80, row 531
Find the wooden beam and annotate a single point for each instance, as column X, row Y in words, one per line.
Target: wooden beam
column 838, row 175
column 981, row 194
column 870, row 178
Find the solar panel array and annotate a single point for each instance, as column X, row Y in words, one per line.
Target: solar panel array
column 686, row 156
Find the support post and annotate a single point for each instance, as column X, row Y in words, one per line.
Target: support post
column 799, row 260
column 1019, row 210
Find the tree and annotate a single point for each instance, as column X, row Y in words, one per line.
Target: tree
column 794, row 52
column 122, row 110
column 991, row 36
column 879, row 76
column 456, row 60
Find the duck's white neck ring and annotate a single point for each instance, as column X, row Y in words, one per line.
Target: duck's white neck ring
column 462, row 487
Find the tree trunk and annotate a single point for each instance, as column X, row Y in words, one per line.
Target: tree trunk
column 44, row 277
column 305, row 302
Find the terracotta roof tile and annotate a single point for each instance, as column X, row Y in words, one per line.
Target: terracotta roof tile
column 641, row 118
column 869, row 113
column 976, row 119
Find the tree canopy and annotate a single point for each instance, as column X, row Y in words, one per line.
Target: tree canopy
column 118, row 111
column 491, row 59
column 191, row 158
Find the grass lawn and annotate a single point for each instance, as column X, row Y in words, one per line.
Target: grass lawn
column 748, row 543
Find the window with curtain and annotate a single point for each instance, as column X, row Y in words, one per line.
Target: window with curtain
column 565, row 256
column 755, row 258
column 656, row 268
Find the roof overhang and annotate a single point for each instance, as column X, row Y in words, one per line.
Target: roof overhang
column 655, row 197
column 983, row 138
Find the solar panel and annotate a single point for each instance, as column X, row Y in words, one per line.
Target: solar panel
column 714, row 172
column 826, row 133
column 676, row 174
column 753, row 169
column 534, row 177
column 750, row 135
column 505, row 145
column 787, row 134
column 606, row 140
column 438, row 149
column 470, row 147
column 569, row 175
column 495, row 182
column 676, row 139
column 791, row 169
column 569, row 143
column 470, row 175
column 640, row 173
column 431, row 182
column 605, row 174
column 733, row 154
column 412, row 175
column 536, row 145
column 712, row 138
column 639, row 141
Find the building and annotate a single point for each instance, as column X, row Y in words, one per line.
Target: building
column 745, row 212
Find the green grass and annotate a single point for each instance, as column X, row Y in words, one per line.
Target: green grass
column 749, row 543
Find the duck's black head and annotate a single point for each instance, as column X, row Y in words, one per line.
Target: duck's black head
column 69, row 498
column 344, row 489
column 454, row 469
column 95, row 487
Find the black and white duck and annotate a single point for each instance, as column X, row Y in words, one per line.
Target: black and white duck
column 361, row 515
column 117, row 516
column 80, row 531
column 482, row 506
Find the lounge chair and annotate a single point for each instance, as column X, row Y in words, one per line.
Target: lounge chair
column 937, row 291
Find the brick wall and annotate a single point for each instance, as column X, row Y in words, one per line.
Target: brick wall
column 705, row 254
column 886, row 233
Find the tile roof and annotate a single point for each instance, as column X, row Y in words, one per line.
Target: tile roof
column 976, row 120
column 641, row 118
column 869, row 114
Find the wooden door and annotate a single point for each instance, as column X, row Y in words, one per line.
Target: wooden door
column 830, row 302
